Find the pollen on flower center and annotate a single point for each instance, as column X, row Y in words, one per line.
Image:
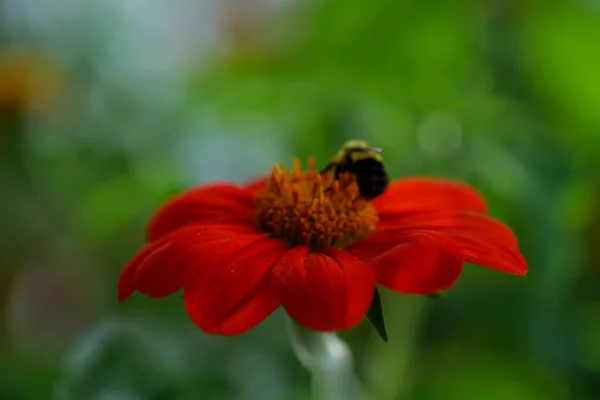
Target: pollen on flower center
column 307, row 208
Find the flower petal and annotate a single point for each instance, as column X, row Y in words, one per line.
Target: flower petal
column 424, row 263
column 161, row 268
column 208, row 205
column 487, row 251
column 449, row 220
column 411, row 195
column 255, row 309
column 375, row 245
column 126, row 284
column 231, row 293
column 480, row 239
column 326, row 291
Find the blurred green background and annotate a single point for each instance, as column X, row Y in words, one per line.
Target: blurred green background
column 108, row 107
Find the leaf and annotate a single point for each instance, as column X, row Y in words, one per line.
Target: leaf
column 375, row 316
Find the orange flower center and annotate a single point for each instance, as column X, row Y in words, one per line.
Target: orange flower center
column 307, row 208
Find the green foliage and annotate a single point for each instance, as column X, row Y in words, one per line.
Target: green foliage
column 557, row 57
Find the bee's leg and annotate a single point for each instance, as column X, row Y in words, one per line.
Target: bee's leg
column 327, row 168
column 336, row 176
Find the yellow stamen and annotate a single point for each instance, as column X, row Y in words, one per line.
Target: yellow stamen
column 307, row 208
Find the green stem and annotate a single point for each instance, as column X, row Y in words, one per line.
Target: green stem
column 395, row 359
column 329, row 361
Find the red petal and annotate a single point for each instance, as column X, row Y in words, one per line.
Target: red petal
column 375, row 245
column 424, row 263
column 126, row 284
column 247, row 315
column 481, row 249
column 446, row 220
column 159, row 268
column 173, row 265
column 207, row 205
column 411, row 195
column 480, row 239
column 231, row 293
column 326, row 291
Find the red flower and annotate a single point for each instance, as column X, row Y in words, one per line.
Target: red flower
column 239, row 252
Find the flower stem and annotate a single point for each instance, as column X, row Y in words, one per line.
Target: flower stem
column 390, row 366
column 329, row 360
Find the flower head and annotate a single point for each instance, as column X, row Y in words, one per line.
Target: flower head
column 312, row 209
column 301, row 240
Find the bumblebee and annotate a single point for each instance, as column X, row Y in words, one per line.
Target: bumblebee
column 365, row 162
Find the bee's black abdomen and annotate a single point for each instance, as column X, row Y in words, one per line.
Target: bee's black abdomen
column 371, row 177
